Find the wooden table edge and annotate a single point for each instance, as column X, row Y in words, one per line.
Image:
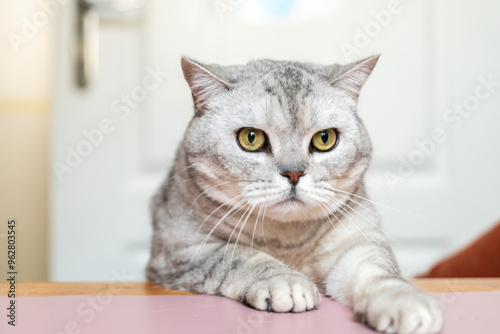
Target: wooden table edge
column 148, row 288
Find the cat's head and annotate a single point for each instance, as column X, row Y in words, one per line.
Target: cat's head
column 278, row 136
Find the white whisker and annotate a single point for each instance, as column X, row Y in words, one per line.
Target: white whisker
column 254, row 228
column 168, row 187
column 217, row 185
column 220, row 206
column 368, row 220
column 234, row 229
column 379, row 204
column 238, row 238
column 213, row 229
column 351, row 218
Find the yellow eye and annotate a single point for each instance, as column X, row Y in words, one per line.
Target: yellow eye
column 251, row 139
column 324, row 140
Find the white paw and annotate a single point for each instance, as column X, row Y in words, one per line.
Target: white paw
column 405, row 311
column 291, row 292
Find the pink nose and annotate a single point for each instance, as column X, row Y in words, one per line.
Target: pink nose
column 293, row 177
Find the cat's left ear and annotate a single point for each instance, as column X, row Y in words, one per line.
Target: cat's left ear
column 203, row 81
column 352, row 77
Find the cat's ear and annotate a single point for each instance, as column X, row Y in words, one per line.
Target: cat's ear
column 352, row 77
column 202, row 80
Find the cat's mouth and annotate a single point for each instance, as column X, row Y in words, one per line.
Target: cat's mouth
column 289, row 204
column 293, row 197
column 290, row 201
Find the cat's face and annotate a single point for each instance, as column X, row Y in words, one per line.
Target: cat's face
column 278, row 136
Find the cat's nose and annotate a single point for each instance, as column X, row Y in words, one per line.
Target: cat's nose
column 293, row 177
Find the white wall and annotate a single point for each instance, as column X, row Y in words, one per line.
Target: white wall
column 433, row 54
column 25, row 82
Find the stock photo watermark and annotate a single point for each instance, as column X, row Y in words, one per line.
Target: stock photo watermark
column 249, row 324
column 31, row 26
column 88, row 310
column 47, row 10
column 453, row 116
column 365, row 35
column 122, row 107
column 225, row 6
column 11, row 271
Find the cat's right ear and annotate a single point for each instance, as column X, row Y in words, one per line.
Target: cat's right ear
column 203, row 82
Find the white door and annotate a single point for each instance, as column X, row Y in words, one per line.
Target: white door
column 114, row 140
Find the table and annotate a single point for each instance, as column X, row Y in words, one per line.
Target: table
column 148, row 288
column 143, row 307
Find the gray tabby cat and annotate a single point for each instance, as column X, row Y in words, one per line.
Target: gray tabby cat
column 266, row 203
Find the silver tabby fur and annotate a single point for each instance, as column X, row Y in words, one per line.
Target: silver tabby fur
column 227, row 222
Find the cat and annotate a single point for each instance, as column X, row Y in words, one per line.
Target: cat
column 266, row 204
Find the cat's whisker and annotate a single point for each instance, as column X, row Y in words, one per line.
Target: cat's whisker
column 205, row 240
column 238, row 238
column 379, row 204
column 313, row 216
column 231, row 236
column 334, row 209
column 254, row 228
column 182, row 170
column 368, row 220
column 220, row 206
column 262, row 227
column 310, row 216
column 349, row 198
column 167, row 184
column 328, row 215
column 264, row 214
column 353, row 220
column 340, row 221
column 319, row 217
column 215, row 186
column 351, row 177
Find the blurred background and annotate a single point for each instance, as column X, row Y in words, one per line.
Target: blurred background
column 93, row 105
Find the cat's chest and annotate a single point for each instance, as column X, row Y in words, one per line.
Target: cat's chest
column 314, row 255
column 299, row 250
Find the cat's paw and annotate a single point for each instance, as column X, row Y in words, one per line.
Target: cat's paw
column 405, row 311
column 290, row 292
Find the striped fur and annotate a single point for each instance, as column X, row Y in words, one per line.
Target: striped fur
column 227, row 222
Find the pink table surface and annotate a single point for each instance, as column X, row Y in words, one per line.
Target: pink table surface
column 467, row 313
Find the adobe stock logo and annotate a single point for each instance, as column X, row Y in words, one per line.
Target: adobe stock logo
column 454, row 118
column 31, row 27
column 373, row 28
column 121, row 109
column 249, row 325
column 223, row 6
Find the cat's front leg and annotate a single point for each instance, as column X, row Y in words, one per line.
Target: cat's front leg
column 367, row 279
column 244, row 274
column 263, row 282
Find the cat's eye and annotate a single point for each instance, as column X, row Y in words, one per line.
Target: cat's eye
column 251, row 139
column 324, row 140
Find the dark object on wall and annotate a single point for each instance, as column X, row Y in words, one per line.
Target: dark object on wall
column 480, row 259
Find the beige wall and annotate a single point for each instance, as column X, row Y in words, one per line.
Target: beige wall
column 25, row 80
